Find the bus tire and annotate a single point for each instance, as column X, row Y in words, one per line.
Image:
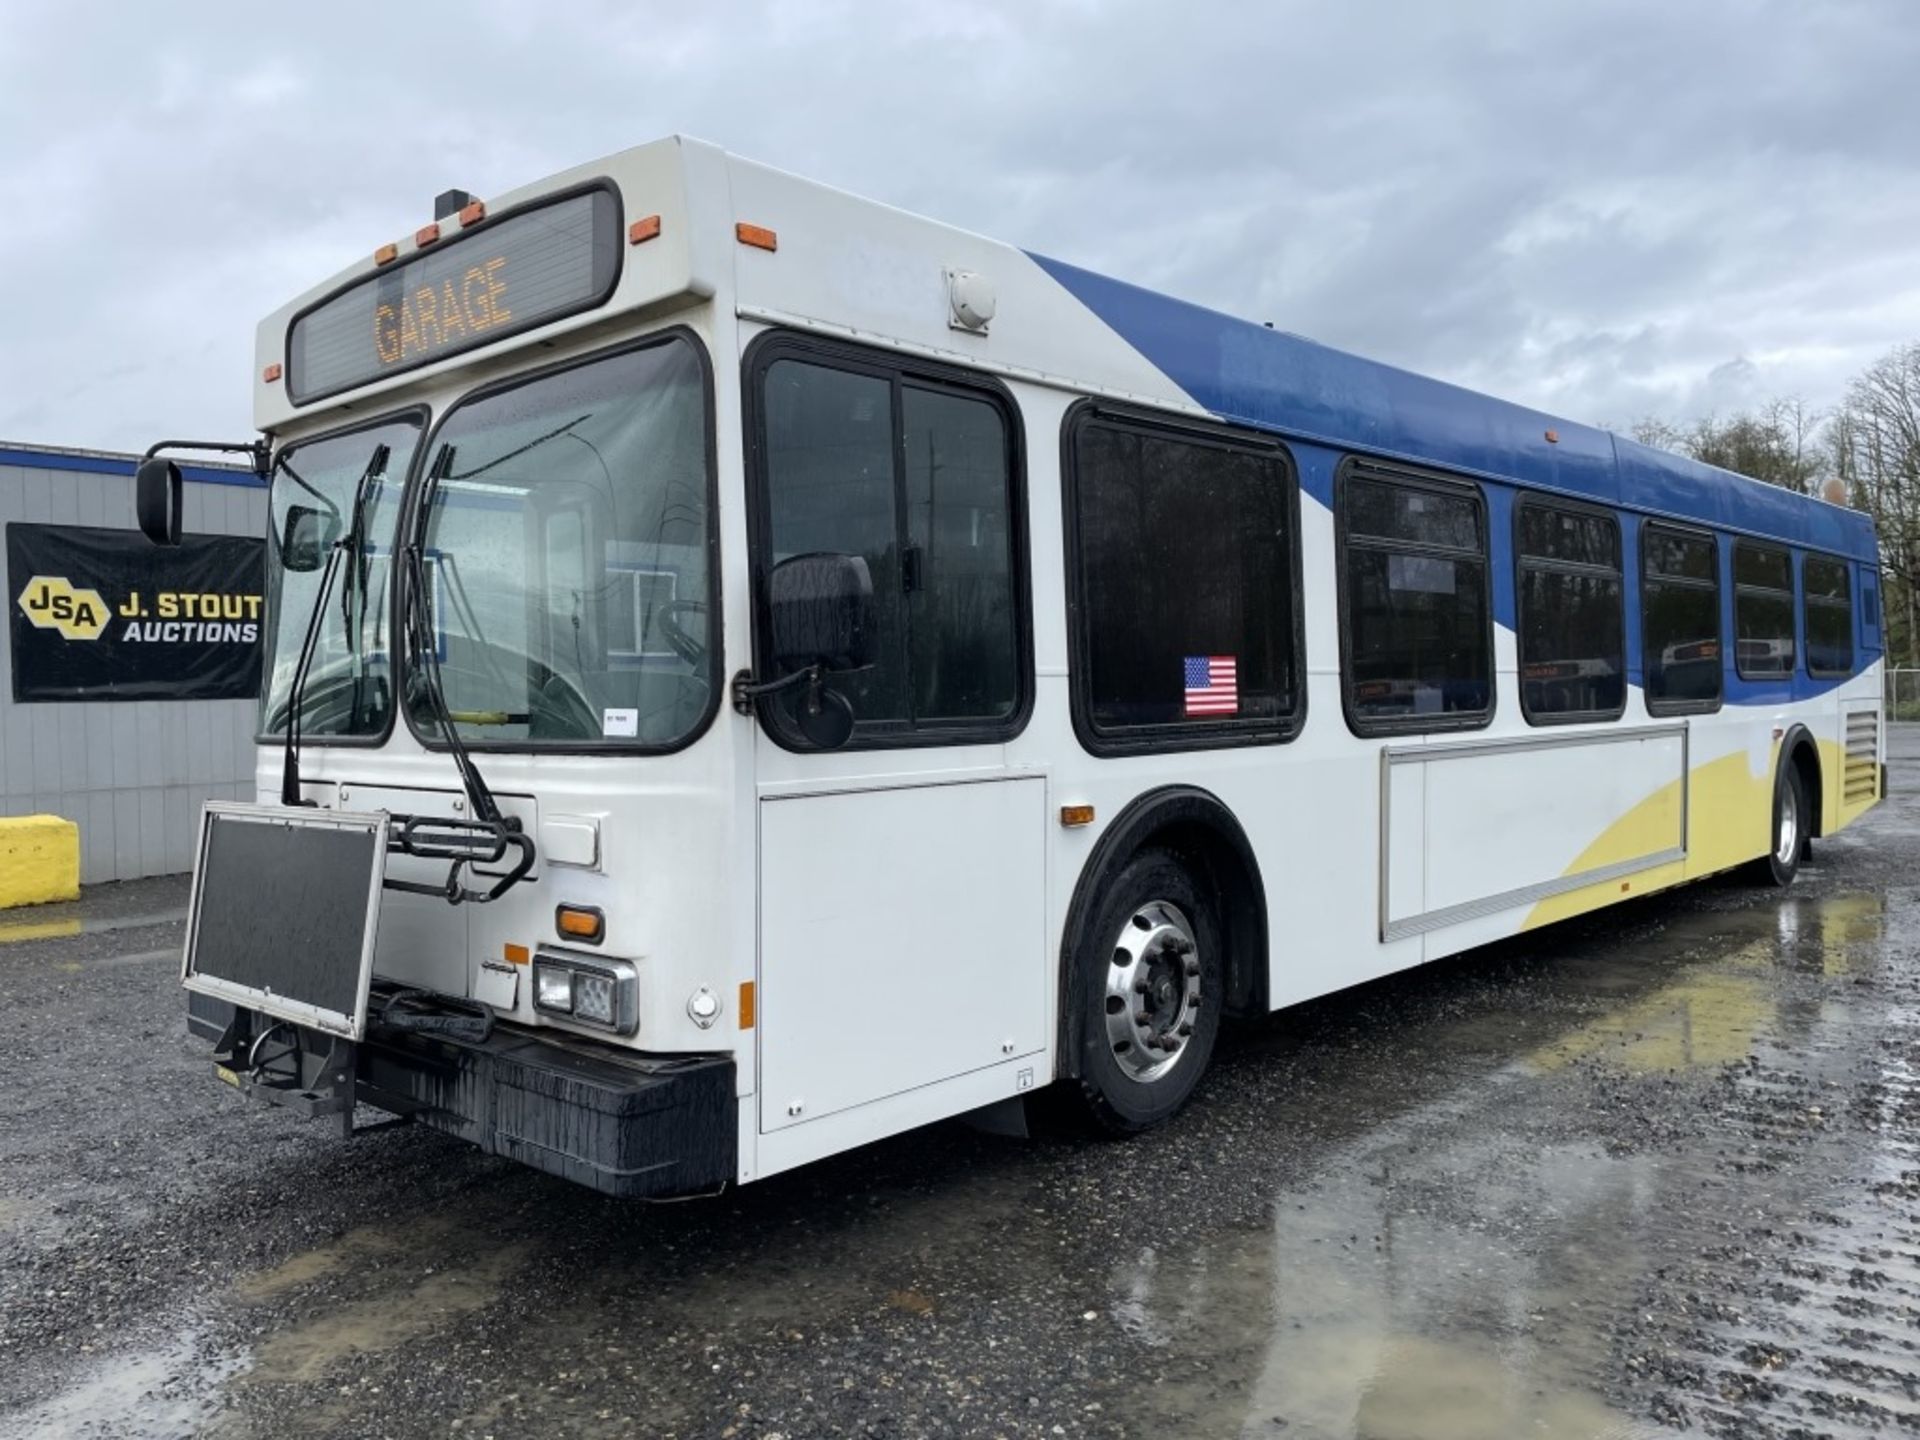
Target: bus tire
column 1787, row 837
column 1154, row 969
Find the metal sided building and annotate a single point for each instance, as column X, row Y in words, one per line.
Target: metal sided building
column 130, row 773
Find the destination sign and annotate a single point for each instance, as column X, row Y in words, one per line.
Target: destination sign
column 531, row 267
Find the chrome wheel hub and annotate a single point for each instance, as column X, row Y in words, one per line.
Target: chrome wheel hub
column 1787, row 843
column 1153, row 991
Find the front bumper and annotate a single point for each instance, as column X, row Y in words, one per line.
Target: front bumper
column 631, row 1125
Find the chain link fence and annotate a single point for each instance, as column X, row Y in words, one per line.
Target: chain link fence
column 1903, row 693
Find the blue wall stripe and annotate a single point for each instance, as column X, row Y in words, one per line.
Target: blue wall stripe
column 106, row 465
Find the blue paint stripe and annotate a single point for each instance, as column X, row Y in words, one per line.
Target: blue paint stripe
column 106, row 465
column 1271, row 380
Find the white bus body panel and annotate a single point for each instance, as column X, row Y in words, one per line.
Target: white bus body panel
column 1477, row 827
column 902, row 941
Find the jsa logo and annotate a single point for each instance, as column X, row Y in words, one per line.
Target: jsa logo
column 51, row 603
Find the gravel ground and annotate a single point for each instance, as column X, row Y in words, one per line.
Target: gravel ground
column 1646, row 1174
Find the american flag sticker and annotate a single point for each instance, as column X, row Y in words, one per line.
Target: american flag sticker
column 1213, row 685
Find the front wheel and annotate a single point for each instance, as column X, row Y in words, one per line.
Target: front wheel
column 1152, row 976
column 1790, row 827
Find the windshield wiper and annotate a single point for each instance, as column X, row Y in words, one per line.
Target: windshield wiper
column 486, row 835
column 290, row 764
column 424, row 655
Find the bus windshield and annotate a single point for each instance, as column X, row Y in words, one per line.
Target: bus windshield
column 349, row 690
column 566, row 557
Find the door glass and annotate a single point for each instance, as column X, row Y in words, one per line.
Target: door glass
column 830, row 489
column 916, row 481
column 960, row 588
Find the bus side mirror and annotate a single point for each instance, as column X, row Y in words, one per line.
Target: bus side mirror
column 822, row 611
column 305, row 538
column 158, row 499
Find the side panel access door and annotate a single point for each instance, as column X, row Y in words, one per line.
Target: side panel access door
column 901, row 940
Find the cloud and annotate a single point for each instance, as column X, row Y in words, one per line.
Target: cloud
column 1606, row 210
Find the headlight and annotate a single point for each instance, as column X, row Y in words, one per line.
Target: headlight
column 602, row 993
column 593, row 997
column 553, row 988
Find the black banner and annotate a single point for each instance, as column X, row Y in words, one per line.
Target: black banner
column 104, row 615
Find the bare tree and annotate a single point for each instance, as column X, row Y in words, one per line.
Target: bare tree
column 1874, row 446
column 1777, row 444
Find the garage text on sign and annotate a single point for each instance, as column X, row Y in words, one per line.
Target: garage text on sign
column 424, row 322
column 523, row 269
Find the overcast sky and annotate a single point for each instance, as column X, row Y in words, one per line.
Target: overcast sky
column 1608, row 210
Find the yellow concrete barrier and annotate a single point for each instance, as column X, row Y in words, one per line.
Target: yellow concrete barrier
column 39, row 860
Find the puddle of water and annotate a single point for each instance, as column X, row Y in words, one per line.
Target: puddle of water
column 1714, row 1014
column 426, row 1236
column 16, row 932
column 1709, row 1017
column 1362, row 1313
column 311, row 1347
column 166, row 1391
column 1466, row 1270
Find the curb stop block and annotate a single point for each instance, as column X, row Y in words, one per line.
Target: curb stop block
column 39, row 860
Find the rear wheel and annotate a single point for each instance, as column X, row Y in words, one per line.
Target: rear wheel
column 1152, row 981
column 1791, row 820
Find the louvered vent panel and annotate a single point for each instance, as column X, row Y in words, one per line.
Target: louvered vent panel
column 1863, row 755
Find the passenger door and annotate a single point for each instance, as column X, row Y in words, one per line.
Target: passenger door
column 902, row 874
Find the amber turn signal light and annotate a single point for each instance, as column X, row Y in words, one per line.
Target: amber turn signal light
column 580, row 922
column 643, row 230
column 757, row 236
column 1076, row 815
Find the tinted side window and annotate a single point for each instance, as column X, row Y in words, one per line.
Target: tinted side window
column 1762, row 611
column 917, row 479
column 1572, row 621
column 1414, row 603
column 1185, row 582
column 1680, row 608
column 1829, row 597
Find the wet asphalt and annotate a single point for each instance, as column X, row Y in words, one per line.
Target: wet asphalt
column 1649, row 1173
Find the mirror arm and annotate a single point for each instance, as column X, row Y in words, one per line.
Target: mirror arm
column 747, row 690
column 255, row 450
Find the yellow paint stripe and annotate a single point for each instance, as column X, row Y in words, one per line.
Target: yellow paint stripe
column 1729, row 812
column 43, row 930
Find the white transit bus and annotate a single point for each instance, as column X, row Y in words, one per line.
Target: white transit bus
column 753, row 671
